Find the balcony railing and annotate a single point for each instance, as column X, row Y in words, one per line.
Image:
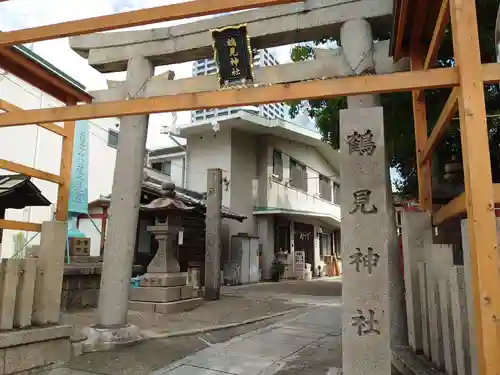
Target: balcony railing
column 282, row 196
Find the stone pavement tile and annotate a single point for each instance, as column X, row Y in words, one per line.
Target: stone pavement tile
column 280, row 338
column 192, row 370
column 262, row 349
column 232, row 363
column 323, row 357
column 300, row 332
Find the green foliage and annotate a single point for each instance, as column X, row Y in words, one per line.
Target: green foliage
column 398, row 113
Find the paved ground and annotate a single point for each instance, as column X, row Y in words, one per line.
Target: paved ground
column 306, row 341
column 229, row 309
column 309, row 344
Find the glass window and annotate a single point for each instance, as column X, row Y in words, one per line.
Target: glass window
column 278, row 164
column 325, row 188
column 112, row 138
column 336, row 193
column 326, row 244
column 298, row 175
column 163, row 167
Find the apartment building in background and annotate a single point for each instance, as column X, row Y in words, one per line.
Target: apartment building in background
column 261, row 58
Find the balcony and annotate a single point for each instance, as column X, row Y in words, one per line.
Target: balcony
column 283, row 198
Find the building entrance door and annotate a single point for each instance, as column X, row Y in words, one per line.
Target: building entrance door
column 304, row 241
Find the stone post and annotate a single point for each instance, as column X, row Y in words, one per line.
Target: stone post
column 424, row 308
column 50, row 269
column 417, row 234
column 450, row 363
column 124, row 211
column 213, row 237
column 365, row 243
column 461, row 321
column 439, row 261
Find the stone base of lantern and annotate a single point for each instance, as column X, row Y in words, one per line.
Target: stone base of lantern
column 164, row 293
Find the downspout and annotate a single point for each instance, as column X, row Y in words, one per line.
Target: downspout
column 184, row 160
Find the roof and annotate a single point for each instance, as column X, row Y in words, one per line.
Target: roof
column 32, row 68
column 152, row 181
column 407, row 15
column 166, row 150
column 329, row 219
column 278, row 127
column 17, row 191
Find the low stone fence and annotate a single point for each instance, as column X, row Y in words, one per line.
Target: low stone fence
column 82, row 282
column 439, row 300
column 80, row 288
column 30, row 298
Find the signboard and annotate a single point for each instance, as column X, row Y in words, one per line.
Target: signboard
column 233, row 55
column 78, row 193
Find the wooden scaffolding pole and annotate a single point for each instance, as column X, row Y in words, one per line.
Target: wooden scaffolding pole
column 478, row 186
column 421, row 136
column 65, row 170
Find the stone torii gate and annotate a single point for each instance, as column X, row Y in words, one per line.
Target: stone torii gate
column 354, row 23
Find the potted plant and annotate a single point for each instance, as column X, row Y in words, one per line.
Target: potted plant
column 277, row 270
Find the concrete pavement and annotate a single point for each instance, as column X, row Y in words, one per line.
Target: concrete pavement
column 307, row 340
column 309, row 344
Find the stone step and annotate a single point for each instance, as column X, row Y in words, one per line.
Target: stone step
column 165, row 280
column 161, row 294
column 166, row 307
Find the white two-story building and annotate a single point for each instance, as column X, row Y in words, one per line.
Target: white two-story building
column 36, row 147
column 282, row 176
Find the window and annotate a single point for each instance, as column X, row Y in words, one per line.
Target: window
column 298, row 175
column 325, row 188
column 282, row 239
column 163, row 167
column 336, row 193
column 278, row 164
column 326, row 244
column 112, row 138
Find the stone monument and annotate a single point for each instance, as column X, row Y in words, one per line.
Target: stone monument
column 365, row 241
column 164, row 288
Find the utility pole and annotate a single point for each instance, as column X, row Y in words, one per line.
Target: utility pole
column 213, row 235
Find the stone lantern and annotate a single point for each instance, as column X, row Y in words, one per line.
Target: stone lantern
column 164, row 288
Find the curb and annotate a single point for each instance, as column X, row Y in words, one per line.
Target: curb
column 190, row 332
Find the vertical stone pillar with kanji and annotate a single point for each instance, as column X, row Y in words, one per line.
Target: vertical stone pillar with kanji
column 366, row 209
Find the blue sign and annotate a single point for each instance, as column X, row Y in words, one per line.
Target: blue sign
column 79, row 190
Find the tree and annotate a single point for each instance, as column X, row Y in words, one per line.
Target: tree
column 398, row 114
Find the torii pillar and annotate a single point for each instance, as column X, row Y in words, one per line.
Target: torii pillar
column 373, row 315
column 112, row 326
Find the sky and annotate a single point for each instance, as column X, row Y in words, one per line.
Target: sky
column 18, row 14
